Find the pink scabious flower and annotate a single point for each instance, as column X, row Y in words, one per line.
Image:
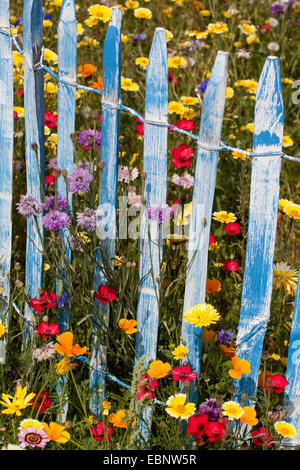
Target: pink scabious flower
column 133, row 198
column 87, row 220
column 33, row 437
column 186, row 181
column 183, row 374
column 146, row 387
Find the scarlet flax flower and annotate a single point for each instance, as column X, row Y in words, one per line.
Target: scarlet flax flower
column 105, row 294
column 47, row 300
column 183, row 374
column 47, row 329
column 197, row 425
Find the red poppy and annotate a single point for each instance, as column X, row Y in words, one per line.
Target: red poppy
column 262, row 437
column 229, row 266
column 105, row 294
column 41, row 401
column 197, row 425
column 182, row 156
column 101, row 432
column 215, row 431
column 185, row 124
column 15, row 115
column 50, row 119
column 183, row 373
column 47, row 300
column 211, row 239
column 146, row 387
column 47, row 329
column 50, row 178
column 232, row 228
column 278, row 383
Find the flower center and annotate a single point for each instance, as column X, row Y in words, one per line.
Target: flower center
column 33, row 438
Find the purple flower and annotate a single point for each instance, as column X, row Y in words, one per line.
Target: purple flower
column 50, row 202
column 33, row 437
column 87, row 219
column 139, row 37
column 29, row 206
column 276, row 7
column 225, row 336
column 202, row 86
column 160, row 213
column 89, row 137
column 211, row 408
column 79, row 180
column 55, row 220
column 52, row 163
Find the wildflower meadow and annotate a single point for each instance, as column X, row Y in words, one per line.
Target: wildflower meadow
column 117, row 331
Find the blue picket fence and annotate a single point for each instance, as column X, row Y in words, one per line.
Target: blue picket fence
column 266, row 157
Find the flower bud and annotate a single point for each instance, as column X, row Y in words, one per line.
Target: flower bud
column 34, row 146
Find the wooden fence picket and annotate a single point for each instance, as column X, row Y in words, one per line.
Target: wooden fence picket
column 109, row 154
column 6, row 160
column 263, row 214
column 34, row 134
column 292, row 391
column 202, row 202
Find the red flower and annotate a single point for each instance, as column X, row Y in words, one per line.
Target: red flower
column 15, row 115
column 197, row 425
column 211, row 239
column 41, row 401
column 229, row 266
column 50, row 178
column 101, row 432
column 105, row 294
column 146, row 387
column 182, row 156
column 265, row 27
column 50, row 119
column 47, row 329
column 171, row 78
column 262, row 437
column 47, row 300
column 185, row 124
column 232, row 228
column 278, row 383
column 183, row 373
column 215, row 431
column 140, row 128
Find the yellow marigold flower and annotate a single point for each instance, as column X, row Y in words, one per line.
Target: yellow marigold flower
column 247, row 29
column 237, row 44
column 26, row 423
column 158, row 369
column 292, row 210
column 224, row 217
column 128, row 326
column 100, row 12
column 285, row 429
column 56, row 432
column 47, row 23
column 285, row 277
column 143, row 13
column 128, row 85
column 169, row 35
column 142, row 62
column 180, row 352
column 91, row 22
column 64, row 366
column 274, row 356
column 178, row 408
column 232, row 410
column 18, row 402
column 218, row 28
column 240, row 366
column 287, row 81
column 124, row 38
column 131, row 4
column 229, row 92
column 175, row 62
column 287, row 141
column 202, row 34
column 50, row 55
column 202, row 314
column 282, row 203
column 239, row 155
column 120, row 419
column 133, row 159
column 250, row 127
column 17, row 58
column 2, row 330
column 188, row 113
column 249, row 416
column 227, row 14
column 46, row 267
column 189, row 100
column 204, row 12
column 50, row 87
column 20, row 111
column 175, row 107
column 252, row 39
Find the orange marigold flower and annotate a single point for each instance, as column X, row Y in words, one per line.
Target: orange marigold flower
column 56, row 432
column 240, row 366
column 66, row 346
column 213, row 285
column 117, row 419
column 159, row 369
column 87, row 69
column 128, row 326
column 249, row 416
column 98, row 84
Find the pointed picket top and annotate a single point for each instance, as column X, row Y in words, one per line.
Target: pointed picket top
column 109, row 154
column 292, row 391
column 34, row 134
column 264, row 196
column 202, row 203
column 6, row 160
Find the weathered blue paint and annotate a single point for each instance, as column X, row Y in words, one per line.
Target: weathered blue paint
column 292, row 391
column 34, row 133
column 109, row 154
column 6, row 153
column 67, row 70
column 155, row 189
column 258, row 273
column 203, row 195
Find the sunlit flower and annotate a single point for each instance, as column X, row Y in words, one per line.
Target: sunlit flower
column 142, row 62
column 56, row 432
column 224, row 217
column 120, row 419
column 292, row 210
column 65, row 346
column 64, row 366
column 240, row 366
column 189, row 100
column 159, row 369
column 18, row 402
column 285, row 277
column 285, row 429
column 2, row 330
column 180, row 352
column 202, row 314
column 249, row 416
column 178, row 408
column 143, row 13
column 128, row 326
column 287, row 141
column 175, row 107
column 32, row 437
column 100, row 12
column 232, row 410
column 128, row 85
column 213, row 285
